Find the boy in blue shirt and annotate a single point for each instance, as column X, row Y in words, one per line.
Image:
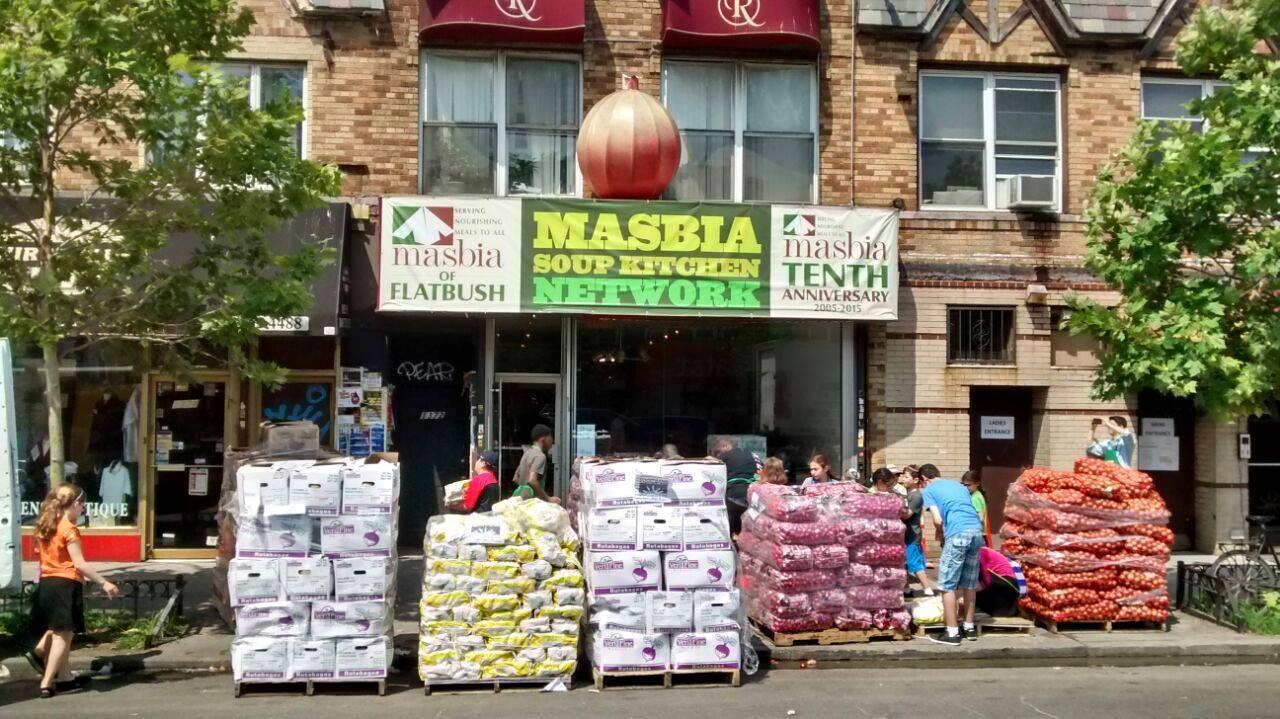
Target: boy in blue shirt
column 948, row 502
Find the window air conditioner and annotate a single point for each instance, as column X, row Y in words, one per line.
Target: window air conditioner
column 1030, row 192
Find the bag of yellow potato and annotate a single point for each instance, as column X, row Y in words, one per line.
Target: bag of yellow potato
column 439, row 565
column 445, row 599
column 516, row 615
column 484, row 657
column 563, row 578
column 448, row 627
column 495, row 602
column 438, row 656
column 446, row 528
column 553, row 639
column 492, row 627
column 513, row 553
column 495, row 570
column 508, row 668
column 514, row 640
column 517, row 585
column 555, row 611
column 555, row 669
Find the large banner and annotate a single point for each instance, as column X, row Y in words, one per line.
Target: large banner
column 637, row 258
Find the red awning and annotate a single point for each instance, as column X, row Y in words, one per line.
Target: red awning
column 488, row 21
column 741, row 24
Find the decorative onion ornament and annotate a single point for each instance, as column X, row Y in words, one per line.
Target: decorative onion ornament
column 628, row 146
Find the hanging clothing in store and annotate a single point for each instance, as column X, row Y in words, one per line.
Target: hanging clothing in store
column 117, row 484
column 129, row 425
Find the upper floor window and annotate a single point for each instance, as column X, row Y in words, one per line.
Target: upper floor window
column 1167, row 100
column 264, row 84
column 500, row 124
column 7, row 140
column 748, row 130
column 989, row 140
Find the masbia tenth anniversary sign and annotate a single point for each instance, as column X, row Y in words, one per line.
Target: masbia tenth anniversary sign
column 637, row 258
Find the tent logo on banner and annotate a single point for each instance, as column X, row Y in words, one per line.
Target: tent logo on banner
column 422, row 225
column 517, row 9
column 739, row 13
column 798, row 224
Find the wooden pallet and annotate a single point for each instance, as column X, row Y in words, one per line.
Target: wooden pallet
column 1098, row 625
column 667, row 679
column 309, row 687
column 1016, row 625
column 833, row 636
column 495, row 685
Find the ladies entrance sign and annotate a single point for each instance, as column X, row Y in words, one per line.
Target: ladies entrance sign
column 637, row 258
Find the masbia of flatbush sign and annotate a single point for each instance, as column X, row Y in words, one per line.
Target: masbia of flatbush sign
column 637, row 258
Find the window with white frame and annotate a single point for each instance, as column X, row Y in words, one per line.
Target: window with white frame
column 264, row 84
column 500, row 124
column 989, row 140
column 748, row 130
column 1167, row 100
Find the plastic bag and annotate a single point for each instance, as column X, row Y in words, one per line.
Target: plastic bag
column 787, row 557
column 880, row 555
column 928, row 611
column 872, row 597
column 781, row 502
column 830, row 556
column 853, row 619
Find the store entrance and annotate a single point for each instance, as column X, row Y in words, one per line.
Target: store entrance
column 524, row 401
column 1000, row 445
column 184, row 453
column 1264, row 470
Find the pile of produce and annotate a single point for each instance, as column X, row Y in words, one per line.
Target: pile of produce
column 502, row 594
column 1094, row 543
column 660, row 565
column 828, row 555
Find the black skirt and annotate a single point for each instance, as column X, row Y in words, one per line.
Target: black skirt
column 58, row 606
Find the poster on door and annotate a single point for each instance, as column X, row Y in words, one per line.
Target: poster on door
column 198, row 482
column 997, row 428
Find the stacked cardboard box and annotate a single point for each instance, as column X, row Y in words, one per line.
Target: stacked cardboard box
column 660, row 566
column 312, row 583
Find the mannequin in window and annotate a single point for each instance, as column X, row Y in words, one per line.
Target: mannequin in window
column 116, row 488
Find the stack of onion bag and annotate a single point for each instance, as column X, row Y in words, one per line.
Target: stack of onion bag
column 502, row 594
column 829, row 555
column 313, row 581
column 660, row 566
column 1094, row 543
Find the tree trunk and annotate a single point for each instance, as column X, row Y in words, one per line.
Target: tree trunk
column 53, row 402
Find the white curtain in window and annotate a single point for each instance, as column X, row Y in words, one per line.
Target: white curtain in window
column 542, row 121
column 700, row 97
column 779, row 98
column 459, row 89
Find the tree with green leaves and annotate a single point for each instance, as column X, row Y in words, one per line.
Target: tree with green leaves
column 118, row 133
column 1186, row 226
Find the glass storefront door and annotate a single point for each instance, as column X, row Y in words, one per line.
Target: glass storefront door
column 185, row 463
column 524, row 401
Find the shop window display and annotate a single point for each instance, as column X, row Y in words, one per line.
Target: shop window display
column 101, row 411
column 643, row 384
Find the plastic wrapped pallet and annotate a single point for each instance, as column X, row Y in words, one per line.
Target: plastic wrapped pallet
column 309, row 583
column 502, row 595
column 830, row 555
column 1093, row 543
column 647, row 590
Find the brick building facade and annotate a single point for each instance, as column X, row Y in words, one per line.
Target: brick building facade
column 363, row 84
column 968, row 260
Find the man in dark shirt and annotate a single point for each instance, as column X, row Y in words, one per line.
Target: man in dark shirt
column 740, row 469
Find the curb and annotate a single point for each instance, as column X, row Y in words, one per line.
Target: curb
column 1086, row 656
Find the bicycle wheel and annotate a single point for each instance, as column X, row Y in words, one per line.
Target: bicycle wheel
column 1242, row 572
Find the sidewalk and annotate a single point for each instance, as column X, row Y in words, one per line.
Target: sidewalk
column 1189, row 641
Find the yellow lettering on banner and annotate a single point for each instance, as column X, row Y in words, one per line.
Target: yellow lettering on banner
column 742, row 237
column 607, row 235
column 711, row 228
column 645, row 235
column 631, row 265
column 541, row 264
column 560, row 232
column 680, row 233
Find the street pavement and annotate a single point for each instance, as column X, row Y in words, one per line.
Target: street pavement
column 1222, row 692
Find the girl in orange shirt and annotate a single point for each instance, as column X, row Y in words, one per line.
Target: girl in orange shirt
column 58, row 611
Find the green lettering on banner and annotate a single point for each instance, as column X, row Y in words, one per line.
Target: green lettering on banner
column 681, row 258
